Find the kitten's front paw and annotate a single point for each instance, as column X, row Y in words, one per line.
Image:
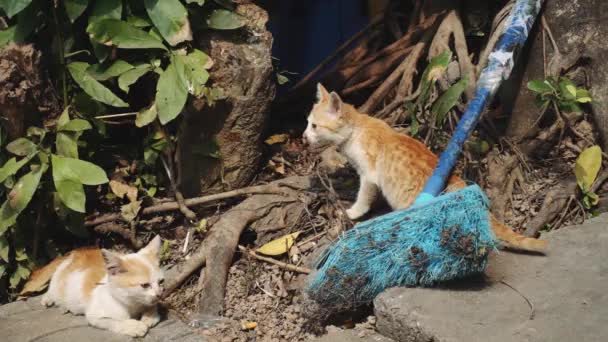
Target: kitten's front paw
column 133, row 328
column 354, row 213
column 150, row 321
column 47, row 301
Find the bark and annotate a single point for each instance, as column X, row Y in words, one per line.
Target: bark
column 25, row 91
column 579, row 30
column 243, row 70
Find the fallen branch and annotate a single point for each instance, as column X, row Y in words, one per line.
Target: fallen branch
column 554, row 203
column 284, row 265
column 124, row 232
column 191, row 202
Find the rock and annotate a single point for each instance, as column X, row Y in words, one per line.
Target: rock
column 29, row 321
column 243, row 70
column 567, row 289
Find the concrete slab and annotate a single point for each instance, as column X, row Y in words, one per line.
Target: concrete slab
column 29, row 321
column 567, row 291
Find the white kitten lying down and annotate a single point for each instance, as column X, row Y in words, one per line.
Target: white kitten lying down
column 115, row 292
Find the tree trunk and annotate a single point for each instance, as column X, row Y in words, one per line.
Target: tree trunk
column 243, row 71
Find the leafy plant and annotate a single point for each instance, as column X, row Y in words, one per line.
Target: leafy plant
column 587, row 166
column 559, row 91
column 99, row 52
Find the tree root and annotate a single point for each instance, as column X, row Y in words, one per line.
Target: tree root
column 217, row 250
column 555, row 201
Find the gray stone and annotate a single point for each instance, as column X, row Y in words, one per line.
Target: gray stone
column 567, row 291
column 29, row 321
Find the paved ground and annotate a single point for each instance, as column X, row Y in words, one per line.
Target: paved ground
column 568, row 290
column 30, row 321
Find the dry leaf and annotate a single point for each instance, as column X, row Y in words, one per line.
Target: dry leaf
column 121, row 190
column 277, row 139
column 130, row 211
column 279, row 246
column 248, row 325
column 279, row 168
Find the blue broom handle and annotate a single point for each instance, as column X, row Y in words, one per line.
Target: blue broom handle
column 500, row 64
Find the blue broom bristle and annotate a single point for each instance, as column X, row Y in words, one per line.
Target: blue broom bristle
column 447, row 239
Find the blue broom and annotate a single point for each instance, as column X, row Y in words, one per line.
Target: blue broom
column 439, row 238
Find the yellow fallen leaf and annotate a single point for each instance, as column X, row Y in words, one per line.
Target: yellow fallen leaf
column 279, row 246
column 121, row 190
column 587, row 166
column 248, row 325
column 277, row 139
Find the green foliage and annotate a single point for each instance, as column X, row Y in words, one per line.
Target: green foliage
column 587, row 166
column 448, row 100
column 98, row 51
column 559, row 91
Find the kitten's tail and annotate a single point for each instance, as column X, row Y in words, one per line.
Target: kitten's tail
column 513, row 240
column 41, row 277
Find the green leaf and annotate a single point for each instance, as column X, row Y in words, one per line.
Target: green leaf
column 4, row 249
column 583, row 99
column 101, row 73
column 570, row 107
column 92, row 87
column 27, row 21
column 146, row 116
column 196, row 75
column 587, row 167
column 137, row 21
column 19, row 197
column 64, row 117
column 67, row 144
column 106, row 9
column 567, row 89
column 3, row 270
column 69, row 174
column 171, row 91
column 122, row 34
column 20, row 274
column 448, row 100
column 75, row 8
column 538, row 86
column 12, row 7
column 34, row 131
column 76, row 125
column 12, row 166
column 128, row 78
column 171, row 19
column 83, row 171
column 101, row 51
column 198, row 2
column 221, row 19
column 21, row 147
column 432, row 73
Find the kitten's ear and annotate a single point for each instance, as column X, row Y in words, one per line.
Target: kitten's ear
column 335, row 104
column 322, row 93
column 152, row 250
column 113, row 262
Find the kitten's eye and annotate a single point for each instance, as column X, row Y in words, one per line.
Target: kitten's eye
column 161, row 281
column 145, row 286
column 314, row 126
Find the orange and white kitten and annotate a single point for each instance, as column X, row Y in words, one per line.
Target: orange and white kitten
column 113, row 291
column 386, row 161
